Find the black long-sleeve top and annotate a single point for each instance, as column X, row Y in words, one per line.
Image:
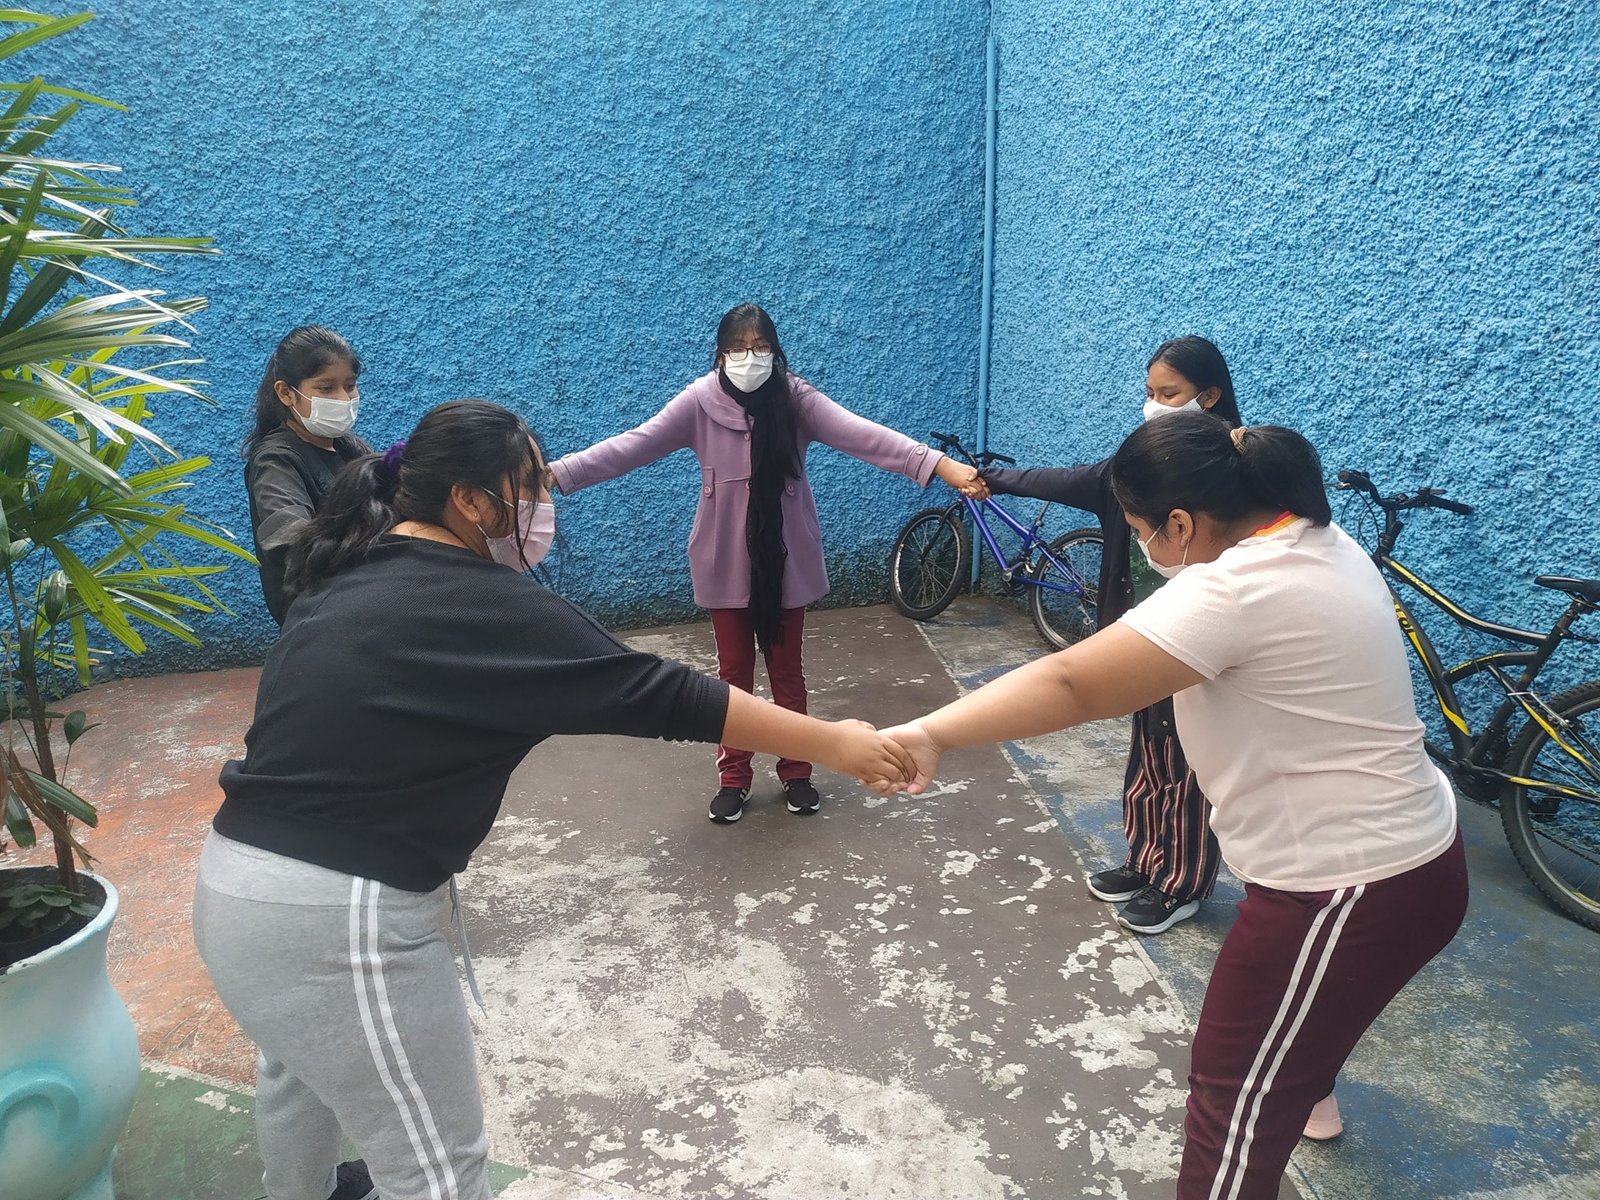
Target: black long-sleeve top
column 287, row 479
column 1089, row 488
column 402, row 693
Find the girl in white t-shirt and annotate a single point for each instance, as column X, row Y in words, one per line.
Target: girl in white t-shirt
column 1276, row 639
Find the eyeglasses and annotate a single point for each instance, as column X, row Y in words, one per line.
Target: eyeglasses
column 743, row 356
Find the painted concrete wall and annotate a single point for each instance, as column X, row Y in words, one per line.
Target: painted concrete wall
column 550, row 206
column 1386, row 215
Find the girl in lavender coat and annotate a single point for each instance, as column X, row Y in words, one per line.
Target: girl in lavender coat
column 755, row 552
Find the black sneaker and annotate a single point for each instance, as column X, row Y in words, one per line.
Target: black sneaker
column 802, row 796
column 353, row 1183
column 1117, row 884
column 1153, row 911
column 727, row 806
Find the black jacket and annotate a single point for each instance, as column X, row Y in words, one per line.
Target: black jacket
column 287, row 479
column 404, row 691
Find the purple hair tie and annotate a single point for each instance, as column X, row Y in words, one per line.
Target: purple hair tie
column 392, row 457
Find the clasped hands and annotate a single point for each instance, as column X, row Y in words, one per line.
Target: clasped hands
column 899, row 759
column 963, row 477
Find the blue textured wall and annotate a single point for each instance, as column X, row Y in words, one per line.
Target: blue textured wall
column 1386, row 215
column 551, row 205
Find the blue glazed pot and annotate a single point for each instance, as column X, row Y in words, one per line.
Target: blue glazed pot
column 69, row 1066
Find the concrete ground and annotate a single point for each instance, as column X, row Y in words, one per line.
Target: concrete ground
column 911, row 998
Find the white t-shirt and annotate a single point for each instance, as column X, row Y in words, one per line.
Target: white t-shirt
column 1304, row 734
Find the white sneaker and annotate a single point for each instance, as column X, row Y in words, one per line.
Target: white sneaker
column 1324, row 1123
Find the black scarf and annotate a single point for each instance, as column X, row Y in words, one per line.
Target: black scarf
column 774, row 460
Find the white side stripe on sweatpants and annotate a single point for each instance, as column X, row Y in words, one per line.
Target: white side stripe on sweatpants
column 375, row 1045
column 1343, row 901
column 452, row 1189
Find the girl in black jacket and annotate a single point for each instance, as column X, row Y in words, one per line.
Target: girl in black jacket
column 1172, row 857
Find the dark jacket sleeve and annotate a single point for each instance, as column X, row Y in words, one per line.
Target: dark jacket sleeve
column 558, row 671
column 280, row 505
column 1079, row 487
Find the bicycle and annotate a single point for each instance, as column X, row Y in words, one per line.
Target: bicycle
column 1547, row 781
column 932, row 560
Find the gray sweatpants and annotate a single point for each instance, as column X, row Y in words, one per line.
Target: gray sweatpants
column 349, row 990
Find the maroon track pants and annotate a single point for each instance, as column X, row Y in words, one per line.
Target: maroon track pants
column 1299, row 978
column 735, row 634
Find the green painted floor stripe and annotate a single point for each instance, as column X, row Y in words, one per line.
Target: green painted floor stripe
column 194, row 1140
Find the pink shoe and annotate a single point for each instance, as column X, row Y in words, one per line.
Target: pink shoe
column 1324, row 1124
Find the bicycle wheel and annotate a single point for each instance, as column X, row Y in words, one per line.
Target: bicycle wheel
column 1068, row 616
column 1557, row 838
column 930, row 563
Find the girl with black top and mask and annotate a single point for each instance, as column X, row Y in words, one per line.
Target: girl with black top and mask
column 306, row 406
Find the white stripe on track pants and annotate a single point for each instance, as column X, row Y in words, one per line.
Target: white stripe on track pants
column 1299, row 978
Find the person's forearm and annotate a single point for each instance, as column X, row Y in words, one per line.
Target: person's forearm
column 1110, row 674
column 754, row 724
column 1034, row 699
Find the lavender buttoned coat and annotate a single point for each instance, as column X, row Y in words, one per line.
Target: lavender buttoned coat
column 705, row 419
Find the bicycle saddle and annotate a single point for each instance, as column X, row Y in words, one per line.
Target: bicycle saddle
column 1587, row 589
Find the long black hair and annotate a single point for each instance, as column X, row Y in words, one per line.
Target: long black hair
column 774, row 460
column 1193, row 461
column 1202, row 364
column 305, row 351
column 470, row 442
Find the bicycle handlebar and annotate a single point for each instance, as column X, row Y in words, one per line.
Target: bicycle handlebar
column 949, row 441
column 1426, row 497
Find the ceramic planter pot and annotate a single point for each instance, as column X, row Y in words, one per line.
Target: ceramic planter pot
column 69, row 1066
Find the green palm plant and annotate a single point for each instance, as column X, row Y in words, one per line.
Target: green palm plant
column 93, row 532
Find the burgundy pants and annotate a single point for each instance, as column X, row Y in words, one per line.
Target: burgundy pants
column 736, row 665
column 1299, row 978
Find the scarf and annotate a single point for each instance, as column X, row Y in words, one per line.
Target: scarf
column 774, row 459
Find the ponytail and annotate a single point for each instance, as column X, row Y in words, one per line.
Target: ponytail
column 1282, row 469
column 470, row 442
column 359, row 509
column 1193, row 461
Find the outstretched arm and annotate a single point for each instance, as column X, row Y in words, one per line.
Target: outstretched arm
column 848, row 747
column 834, row 425
column 667, row 431
column 1111, row 674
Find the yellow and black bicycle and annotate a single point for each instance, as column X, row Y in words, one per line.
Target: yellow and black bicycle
column 1545, row 778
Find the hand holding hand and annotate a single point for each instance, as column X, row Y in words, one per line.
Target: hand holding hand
column 875, row 760
column 922, row 751
column 964, row 478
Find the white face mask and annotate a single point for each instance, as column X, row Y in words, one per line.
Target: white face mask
column 749, row 374
column 530, row 538
column 1162, row 569
column 329, row 418
column 1154, row 408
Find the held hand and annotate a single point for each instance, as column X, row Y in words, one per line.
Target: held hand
column 964, row 478
column 923, row 752
column 875, row 760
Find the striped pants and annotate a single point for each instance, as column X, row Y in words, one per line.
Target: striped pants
column 1299, row 978
column 1164, row 812
column 349, row 990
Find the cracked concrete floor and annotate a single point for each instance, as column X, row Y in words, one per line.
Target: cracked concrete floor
column 894, row 998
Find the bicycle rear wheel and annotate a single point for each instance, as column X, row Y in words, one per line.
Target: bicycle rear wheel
column 1556, row 839
column 930, row 563
column 1069, row 615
